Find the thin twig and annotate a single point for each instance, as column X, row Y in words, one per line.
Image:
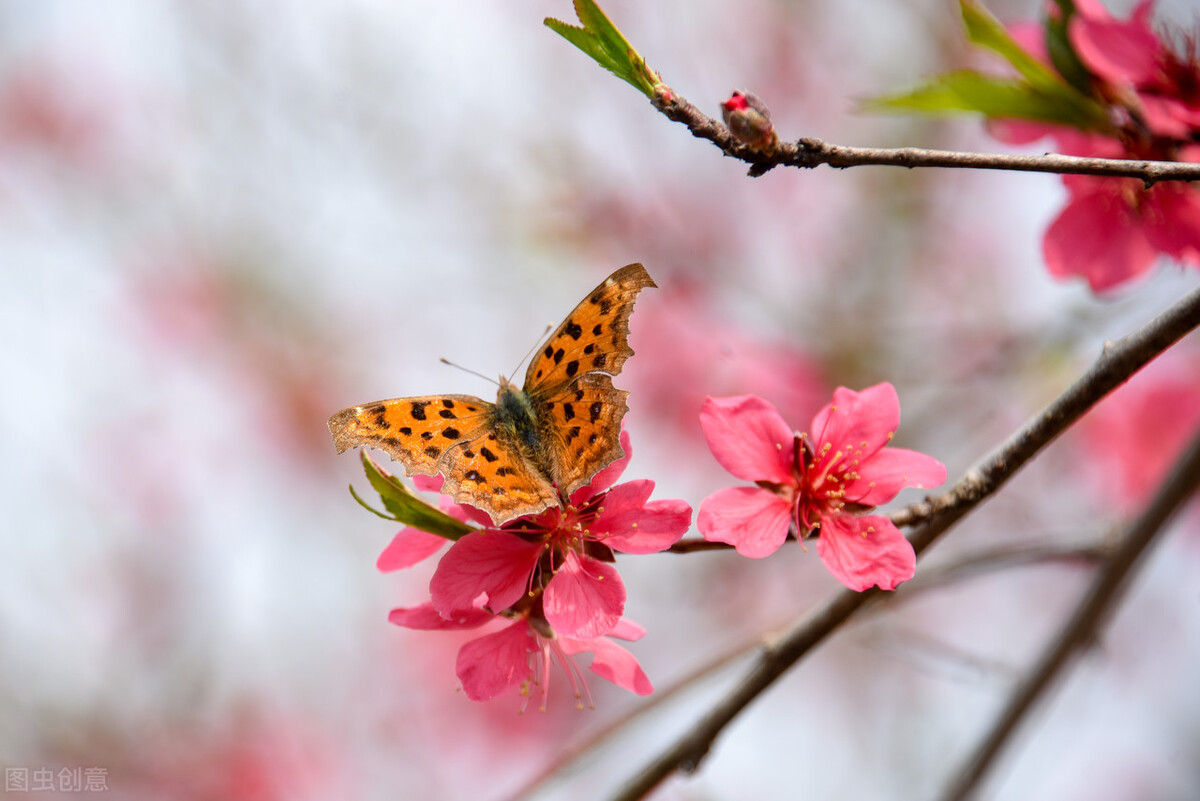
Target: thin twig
column 1084, row 624
column 1003, row 557
column 808, row 152
column 1118, row 362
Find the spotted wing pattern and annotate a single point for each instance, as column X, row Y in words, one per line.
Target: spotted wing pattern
column 582, row 423
column 493, row 475
column 594, row 337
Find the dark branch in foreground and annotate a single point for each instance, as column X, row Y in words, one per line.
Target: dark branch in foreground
column 1084, row 624
column 1005, row 557
column 807, row 153
column 1119, row 361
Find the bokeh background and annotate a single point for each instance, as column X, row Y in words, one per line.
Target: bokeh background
column 222, row 222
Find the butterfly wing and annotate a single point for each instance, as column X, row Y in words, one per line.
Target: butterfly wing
column 417, row 432
column 569, row 382
column 594, row 337
column 582, row 421
column 491, row 474
column 453, row 435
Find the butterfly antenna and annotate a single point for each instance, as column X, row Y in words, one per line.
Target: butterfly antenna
column 467, row 370
column 536, row 345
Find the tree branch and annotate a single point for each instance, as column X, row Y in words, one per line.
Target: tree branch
column 1084, row 624
column 808, row 152
column 1118, row 362
column 1004, row 557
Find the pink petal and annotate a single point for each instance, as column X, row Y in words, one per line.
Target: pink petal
column 612, row 662
column 426, row 618
column 1172, row 221
column 496, row 663
column 753, row 520
column 1098, row 237
column 494, row 563
column 626, row 629
column 428, row 483
column 891, row 470
column 749, row 438
column 658, row 526
column 1123, row 53
column 407, row 548
column 632, row 525
column 585, row 599
column 864, row 551
column 1167, row 116
column 856, row 424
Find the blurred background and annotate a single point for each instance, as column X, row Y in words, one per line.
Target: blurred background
column 220, row 223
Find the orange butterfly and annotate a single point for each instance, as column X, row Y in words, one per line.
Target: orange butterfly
column 536, row 445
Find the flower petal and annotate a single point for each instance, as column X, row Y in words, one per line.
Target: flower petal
column 426, row 618
column 407, row 548
column 585, row 599
column 631, row 524
column 856, row 425
column 626, row 629
column 1172, row 221
column 1123, row 53
column 864, row 551
column 493, row 562
column 496, row 663
column 892, row 469
column 749, row 438
column 612, row 662
column 753, row 520
column 1097, row 236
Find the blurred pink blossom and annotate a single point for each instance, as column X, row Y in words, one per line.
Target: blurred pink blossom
column 1113, row 230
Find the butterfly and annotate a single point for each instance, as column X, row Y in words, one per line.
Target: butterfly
column 535, row 445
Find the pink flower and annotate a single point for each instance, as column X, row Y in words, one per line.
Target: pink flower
column 1134, row 435
column 565, row 552
column 519, row 655
column 1113, row 230
column 819, row 483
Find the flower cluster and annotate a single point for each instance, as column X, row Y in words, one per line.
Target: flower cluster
column 549, row 578
column 1113, row 230
column 820, row 484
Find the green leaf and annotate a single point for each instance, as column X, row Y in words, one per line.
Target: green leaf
column 967, row 91
column 986, row 31
column 406, row 507
column 1079, row 109
column 1062, row 52
column 601, row 40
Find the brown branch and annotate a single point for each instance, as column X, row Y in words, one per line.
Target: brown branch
column 808, row 152
column 1084, row 624
column 1118, row 362
column 1004, row 557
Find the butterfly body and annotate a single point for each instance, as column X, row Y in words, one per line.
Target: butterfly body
column 537, row 444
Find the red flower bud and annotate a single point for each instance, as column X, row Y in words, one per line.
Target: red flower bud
column 749, row 120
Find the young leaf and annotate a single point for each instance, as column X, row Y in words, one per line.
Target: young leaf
column 968, row 91
column 1079, row 110
column 1062, row 52
column 406, row 507
column 601, row 40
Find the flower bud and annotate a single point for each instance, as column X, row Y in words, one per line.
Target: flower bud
column 749, row 120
